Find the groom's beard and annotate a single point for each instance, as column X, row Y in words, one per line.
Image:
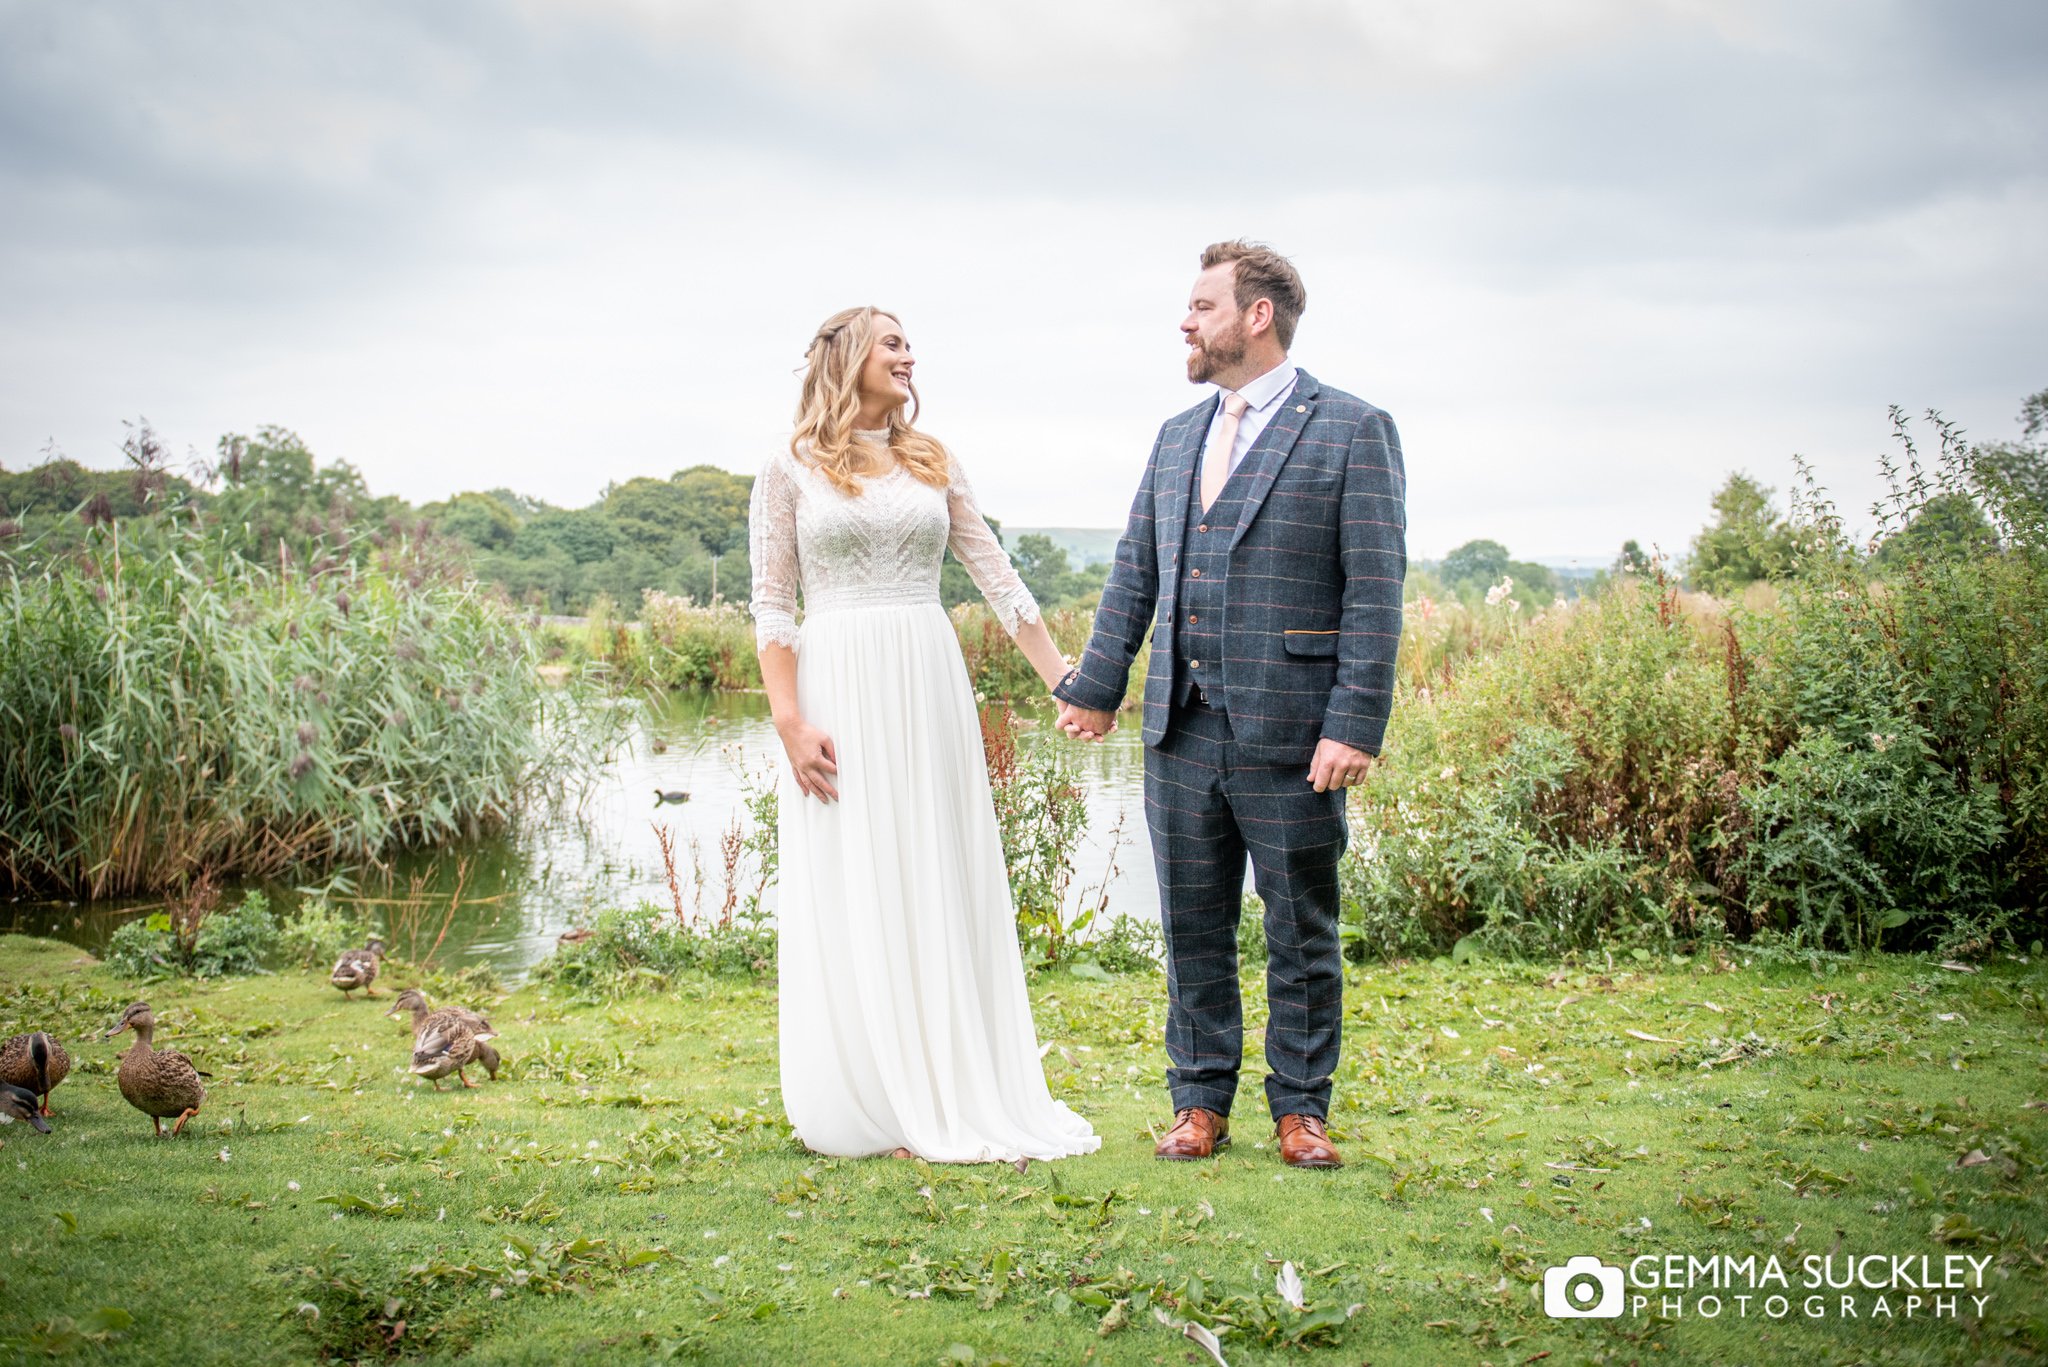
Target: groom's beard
column 1226, row 351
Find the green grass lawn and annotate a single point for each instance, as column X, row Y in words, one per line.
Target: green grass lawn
column 627, row 1191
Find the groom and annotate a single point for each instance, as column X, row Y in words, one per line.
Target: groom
column 1269, row 537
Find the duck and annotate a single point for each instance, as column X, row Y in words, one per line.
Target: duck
column 446, row 1048
column 358, row 968
column 158, row 1083
column 19, row 1103
column 425, row 1020
column 36, row 1063
column 677, row 796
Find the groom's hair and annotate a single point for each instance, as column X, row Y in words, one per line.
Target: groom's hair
column 1263, row 273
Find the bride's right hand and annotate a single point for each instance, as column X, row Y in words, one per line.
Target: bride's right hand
column 813, row 759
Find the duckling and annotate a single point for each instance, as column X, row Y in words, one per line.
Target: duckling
column 157, row 1083
column 19, row 1103
column 358, row 968
column 36, row 1062
column 426, row 1022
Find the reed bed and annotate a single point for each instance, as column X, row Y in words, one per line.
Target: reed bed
column 186, row 712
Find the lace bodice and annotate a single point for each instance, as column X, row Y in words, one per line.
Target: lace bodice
column 883, row 546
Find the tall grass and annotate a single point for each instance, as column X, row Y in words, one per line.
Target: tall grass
column 180, row 711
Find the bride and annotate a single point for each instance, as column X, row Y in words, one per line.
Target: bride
column 904, row 1023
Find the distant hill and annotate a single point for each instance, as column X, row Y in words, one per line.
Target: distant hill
column 1084, row 546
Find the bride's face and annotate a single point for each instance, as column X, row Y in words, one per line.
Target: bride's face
column 886, row 376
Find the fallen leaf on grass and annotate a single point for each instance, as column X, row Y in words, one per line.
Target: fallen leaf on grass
column 1975, row 1158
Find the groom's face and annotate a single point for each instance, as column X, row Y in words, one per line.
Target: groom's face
column 1214, row 328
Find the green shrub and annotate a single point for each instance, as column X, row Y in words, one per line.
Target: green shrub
column 1857, row 838
column 196, row 943
column 647, row 947
column 1569, row 786
column 315, row 935
column 1907, row 717
column 687, row 646
column 1858, row 757
column 1126, row 945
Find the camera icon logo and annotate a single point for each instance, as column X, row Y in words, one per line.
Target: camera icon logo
column 1583, row 1288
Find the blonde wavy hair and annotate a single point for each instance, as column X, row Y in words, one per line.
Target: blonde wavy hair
column 829, row 405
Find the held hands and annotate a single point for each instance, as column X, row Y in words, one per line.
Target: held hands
column 1084, row 723
column 1337, row 765
column 813, row 759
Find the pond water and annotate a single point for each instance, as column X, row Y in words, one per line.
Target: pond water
column 504, row 901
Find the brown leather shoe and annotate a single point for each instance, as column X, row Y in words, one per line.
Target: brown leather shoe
column 1196, row 1133
column 1304, row 1143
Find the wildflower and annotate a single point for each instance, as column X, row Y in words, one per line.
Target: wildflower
column 67, row 731
column 301, row 765
column 1496, row 595
column 308, row 733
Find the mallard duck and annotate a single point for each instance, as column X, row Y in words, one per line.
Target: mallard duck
column 438, row 1036
column 19, row 1103
column 35, row 1062
column 158, row 1083
column 447, row 1048
column 358, row 968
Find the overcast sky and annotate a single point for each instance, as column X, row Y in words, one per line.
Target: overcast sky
column 1591, row 254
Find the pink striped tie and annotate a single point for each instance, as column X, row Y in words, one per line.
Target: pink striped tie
column 1216, row 461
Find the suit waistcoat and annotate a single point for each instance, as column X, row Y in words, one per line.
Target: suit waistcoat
column 1198, row 601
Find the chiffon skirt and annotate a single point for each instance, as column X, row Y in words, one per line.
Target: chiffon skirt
column 904, row 1020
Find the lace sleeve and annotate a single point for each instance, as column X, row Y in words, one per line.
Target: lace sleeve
column 771, row 551
column 988, row 564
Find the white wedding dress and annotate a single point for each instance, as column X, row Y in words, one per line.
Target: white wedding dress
column 904, row 1020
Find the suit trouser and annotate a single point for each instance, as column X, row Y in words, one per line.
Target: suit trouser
column 1207, row 812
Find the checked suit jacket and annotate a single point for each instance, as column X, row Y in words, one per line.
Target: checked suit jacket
column 1312, row 596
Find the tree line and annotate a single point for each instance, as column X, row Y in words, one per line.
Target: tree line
column 686, row 534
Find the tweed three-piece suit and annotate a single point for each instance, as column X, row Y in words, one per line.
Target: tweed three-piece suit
column 1278, row 616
